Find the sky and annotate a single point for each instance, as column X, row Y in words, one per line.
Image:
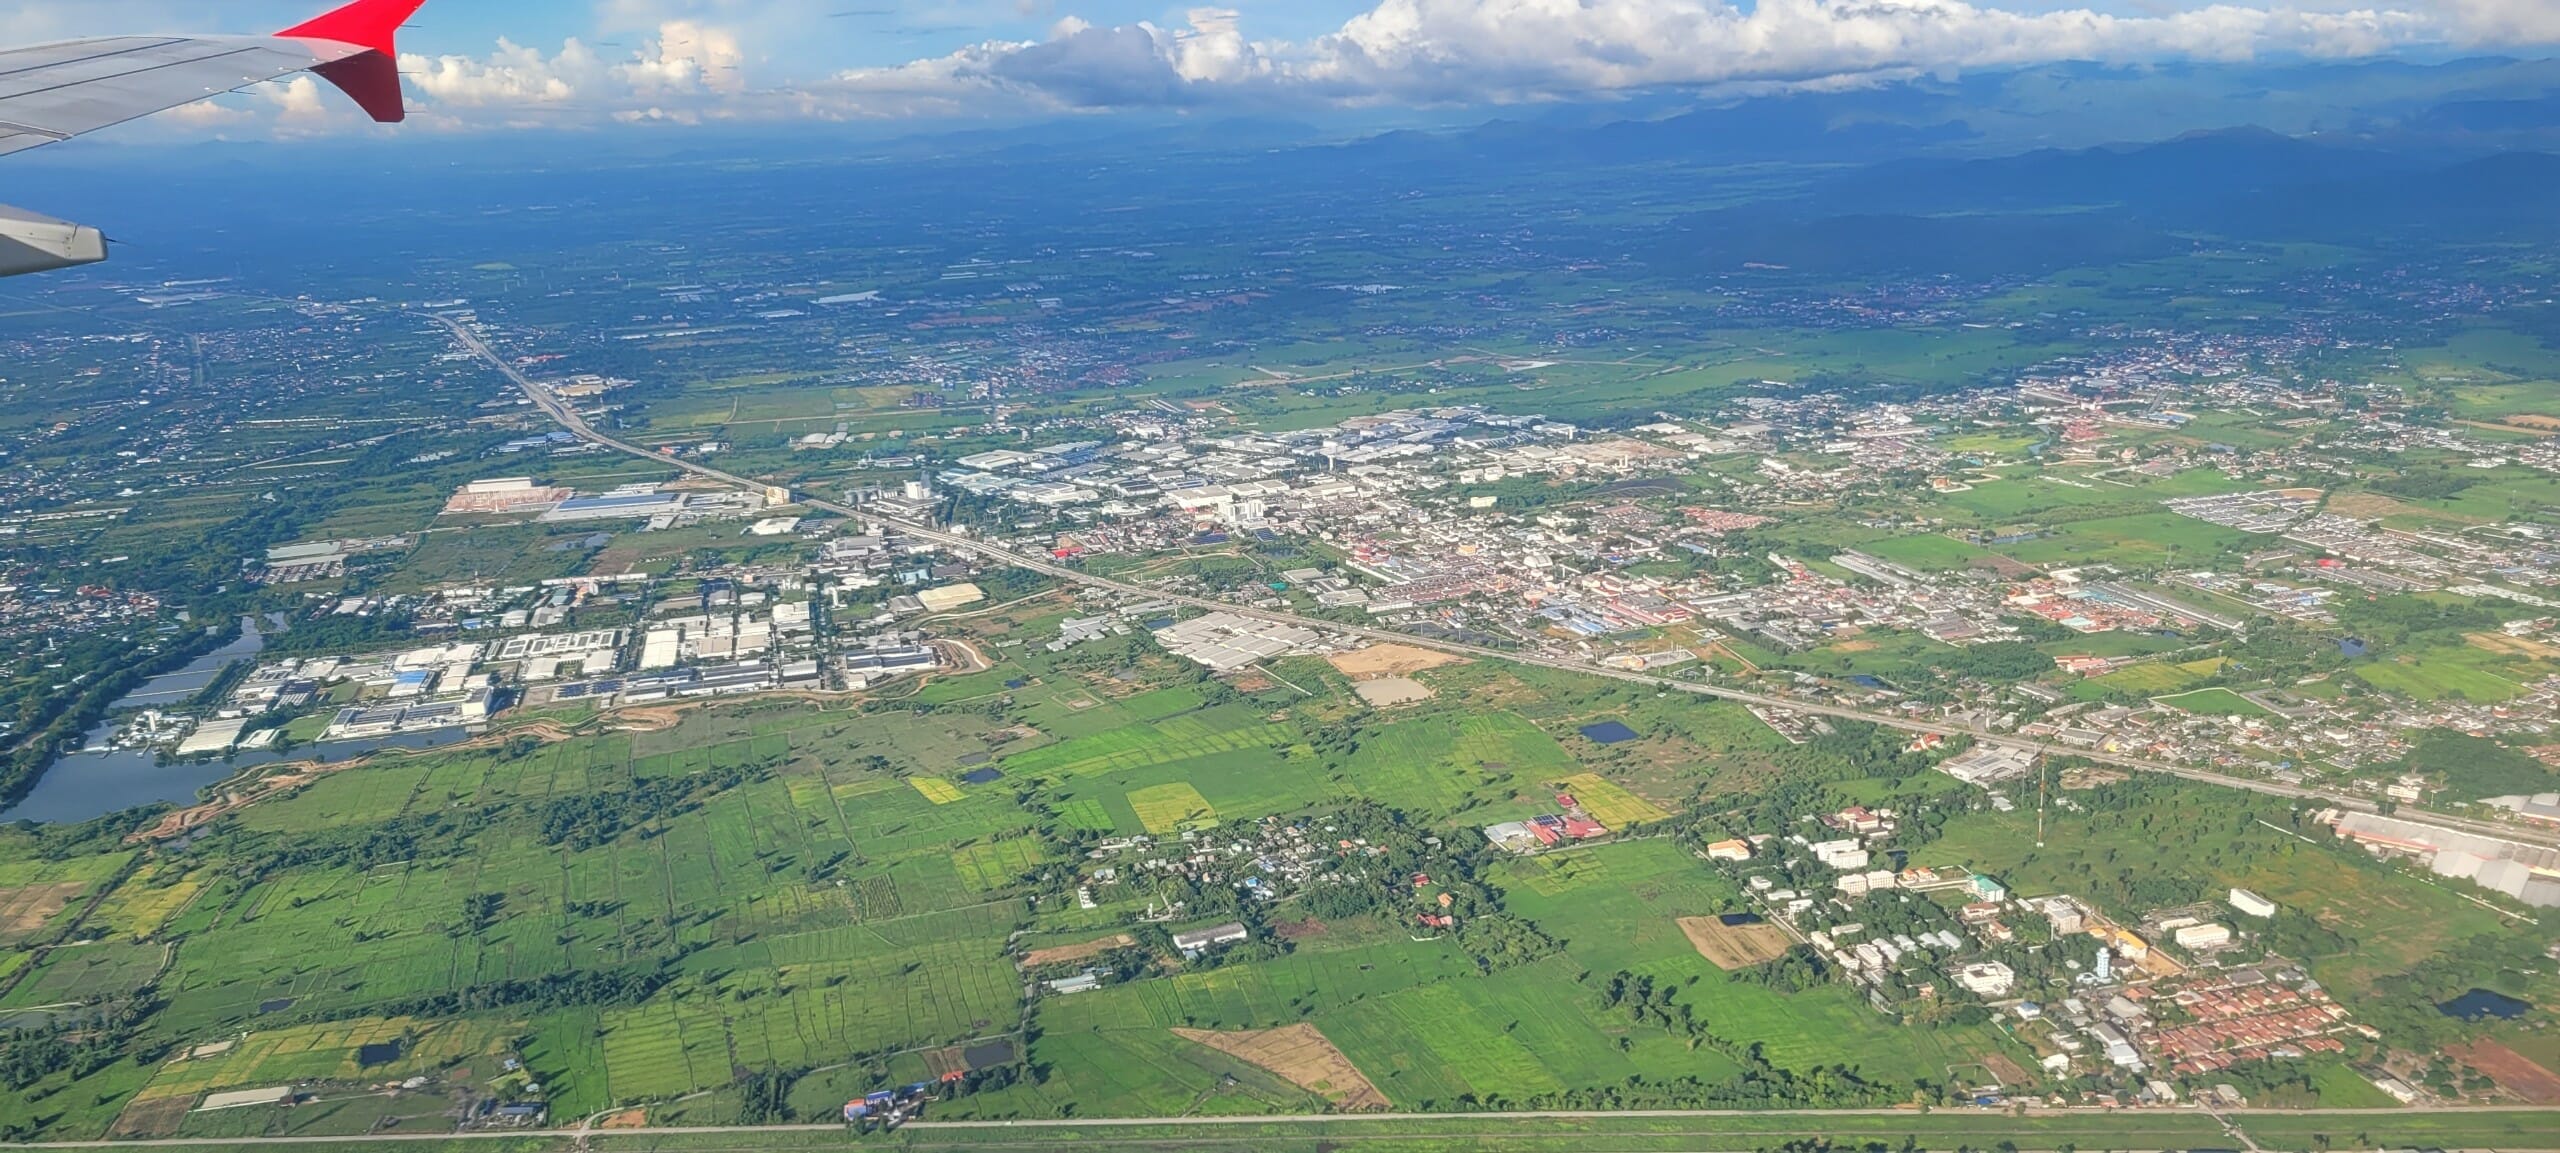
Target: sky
column 479, row 65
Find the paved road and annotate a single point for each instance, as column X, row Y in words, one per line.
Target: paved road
column 1812, row 1117
column 570, row 420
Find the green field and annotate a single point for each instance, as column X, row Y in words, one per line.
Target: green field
column 2214, row 703
column 2437, row 674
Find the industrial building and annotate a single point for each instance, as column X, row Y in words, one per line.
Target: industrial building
column 1200, row 941
column 636, row 505
column 2528, row 873
column 1226, row 642
column 241, row 1098
column 1985, row 765
column 501, row 496
column 949, row 597
column 2252, row 904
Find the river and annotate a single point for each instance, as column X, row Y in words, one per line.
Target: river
column 96, row 781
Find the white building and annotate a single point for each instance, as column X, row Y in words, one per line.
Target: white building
column 1199, row 941
column 1987, row 979
column 2252, row 904
column 2205, row 936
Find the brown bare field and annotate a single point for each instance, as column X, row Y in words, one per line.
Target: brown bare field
column 2079, row 779
column 25, row 909
column 2513, row 1071
column 151, row 1117
column 2006, row 1070
column 2518, row 646
column 627, row 1119
column 1390, row 692
column 1301, row 1056
column 1731, row 947
column 1062, row 954
column 1300, row 930
column 2375, row 506
column 1389, row 660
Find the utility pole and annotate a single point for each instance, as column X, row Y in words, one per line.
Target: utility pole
column 2044, row 773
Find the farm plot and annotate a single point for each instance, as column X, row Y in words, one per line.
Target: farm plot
column 398, row 1047
column 2214, row 703
column 2441, row 673
column 144, row 902
column 2513, row 1071
column 992, row 865
column 1300, row 1055
column 1086, row 814
column 1141, row 746
column 1080, row 951
column 1609, row 802
column 33, row 892
column 937, row 790
column 1439, row 762
column 1730, row 946
column 1167, row 808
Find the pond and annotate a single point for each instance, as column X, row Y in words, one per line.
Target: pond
column 178, row 687
column 85, row 786
column 97, row 780
column 2481, row 1004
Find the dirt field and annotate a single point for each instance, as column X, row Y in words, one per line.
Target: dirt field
column 1389, row 661
column 1301, row 1056
column 627, row 1119
column 1299, row 930
column 2513, row 1071
column 1388, row 692
column 1061, row 954
column 154, row 1117
column 2517, row 646
column 2079, row 779
column 25, row 910
column 2367, row 505
column 2008, row 1071
column 1731, row 947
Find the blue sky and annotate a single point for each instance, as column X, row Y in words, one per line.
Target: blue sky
column 478, row 64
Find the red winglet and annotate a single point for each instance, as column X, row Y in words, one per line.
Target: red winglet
column 364, row 23
column 372, row 79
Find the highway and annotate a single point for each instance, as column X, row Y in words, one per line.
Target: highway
column 1814, row 1119
column 567, row 418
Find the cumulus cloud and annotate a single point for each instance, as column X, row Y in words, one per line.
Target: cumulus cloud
column 687, row 57
column 1519, row 48
column 695, row 60
column 514, row 76
column 1507, row 50
column 2495, row 22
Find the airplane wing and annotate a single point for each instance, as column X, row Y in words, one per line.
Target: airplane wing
column 54, row 92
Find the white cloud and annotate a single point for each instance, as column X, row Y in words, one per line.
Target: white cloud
column 687, row 57
column 1508, row 50
column 696, row 60
column 1523, row 48
column 514, row 76
column 2495, row 22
